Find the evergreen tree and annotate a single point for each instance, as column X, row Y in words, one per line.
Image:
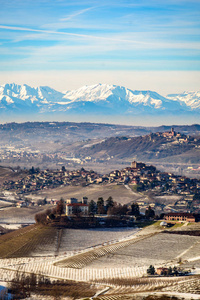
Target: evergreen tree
column 151, row 270
column 32, row 170
column 135, row 210
column 149, row 213
column 100, row 206
column 109, row 203
column 92, row 207
column 63, row 169
column 169, row 271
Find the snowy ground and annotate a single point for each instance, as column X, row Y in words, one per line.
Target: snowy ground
column 123, row 253
column 20, row 215
column 156, row 250
column 11, row 226
column 45, row 265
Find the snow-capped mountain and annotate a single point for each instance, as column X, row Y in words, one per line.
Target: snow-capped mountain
column 27, row 93
column 105, row 92
column 191, row 99
column 118, row 96
column 96, row 99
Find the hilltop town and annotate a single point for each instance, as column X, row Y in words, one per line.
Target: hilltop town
column 50, row 145
column 140, row 178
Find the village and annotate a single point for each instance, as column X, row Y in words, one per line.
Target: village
column 139, row 178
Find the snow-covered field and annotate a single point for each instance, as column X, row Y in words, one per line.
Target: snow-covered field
column 78, row 239
column 113, row 254
column 20, row 215
column 45, row 265
column 159, row 250
column 11, row 226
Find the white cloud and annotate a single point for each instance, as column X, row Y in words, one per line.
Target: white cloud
column 80, row 12
column 127, row 38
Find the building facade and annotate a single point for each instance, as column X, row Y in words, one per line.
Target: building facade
column 183, row 217
column 73, row 207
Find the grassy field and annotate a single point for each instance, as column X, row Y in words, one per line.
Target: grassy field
column 119, row 193
column 21, row 215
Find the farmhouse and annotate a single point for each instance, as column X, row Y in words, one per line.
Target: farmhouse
column 162, row 271
column 75, row 208
column 187, row 217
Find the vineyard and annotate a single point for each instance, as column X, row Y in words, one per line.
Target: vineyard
column 79, row 261
column 23, row 242
column 115, row 260
column 38, row 240
column 121, row 287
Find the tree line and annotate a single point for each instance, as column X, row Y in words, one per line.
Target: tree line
column 23, row 285
column 110, row 207
column 101, row 207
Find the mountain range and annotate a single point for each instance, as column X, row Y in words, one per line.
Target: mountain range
column 102, row 99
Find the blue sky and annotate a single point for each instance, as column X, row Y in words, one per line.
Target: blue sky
column 41, row 38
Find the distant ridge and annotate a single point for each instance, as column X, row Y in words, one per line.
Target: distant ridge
column 100, row 99
column 191, row 99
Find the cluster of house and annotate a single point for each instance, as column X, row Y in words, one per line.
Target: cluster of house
column 140, row 175
column 12, row 154
column 162, row 271
column 181, row 138
column 148, row 177
column 73, row 206
column 52, row 179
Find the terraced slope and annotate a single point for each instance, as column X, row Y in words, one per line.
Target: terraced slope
column 81, row 260
column 23, row 242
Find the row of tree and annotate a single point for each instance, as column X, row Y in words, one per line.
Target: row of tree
column 24, row 285
column 110, row 207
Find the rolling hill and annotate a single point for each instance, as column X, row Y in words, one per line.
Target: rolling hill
column 149, row 147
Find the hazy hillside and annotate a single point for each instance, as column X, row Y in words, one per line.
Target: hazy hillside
column 73, row 131
column 148, row 147
column 185, row 129
column 101, row 147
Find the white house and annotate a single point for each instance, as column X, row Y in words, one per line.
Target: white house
column 74, row 207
